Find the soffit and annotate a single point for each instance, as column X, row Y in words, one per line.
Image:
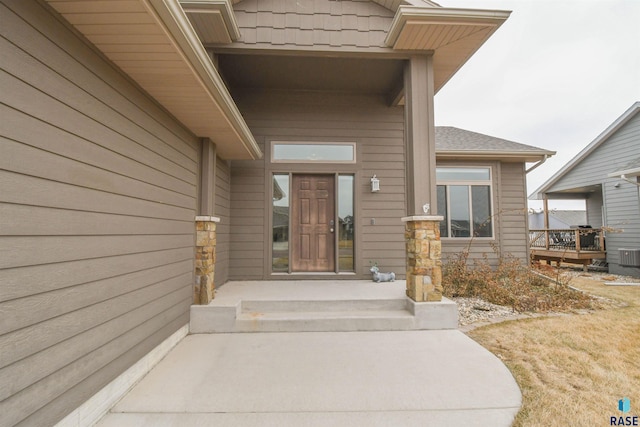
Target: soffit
column 453, row 35
column 305, row 73
column 506, row 156
column 578, row 193
column 153, row 43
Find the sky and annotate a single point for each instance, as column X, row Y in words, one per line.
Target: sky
column 555, row 75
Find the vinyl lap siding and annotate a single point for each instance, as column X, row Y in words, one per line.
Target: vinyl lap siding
column 222, row 211
column 623, row 220
column 511, row 219
column 97, row 203
column 594, row 210
column 315, row 24
column 378, row 133
column 248, row 218
column 622, row 204
column 612, row 155
column 383, row 155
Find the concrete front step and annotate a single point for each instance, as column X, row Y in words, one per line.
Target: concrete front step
column 323, row 321
column 328, row 305
column 314, row 306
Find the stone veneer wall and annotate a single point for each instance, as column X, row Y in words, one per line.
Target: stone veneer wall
column 424, row 253
column 203, row 291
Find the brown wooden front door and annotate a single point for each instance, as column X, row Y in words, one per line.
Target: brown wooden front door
column 312, row 223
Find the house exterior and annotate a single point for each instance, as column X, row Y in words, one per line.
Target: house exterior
column 150, row 147
column 605, row 175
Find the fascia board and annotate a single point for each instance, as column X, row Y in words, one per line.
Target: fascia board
column 440, row 15
column 525, row 156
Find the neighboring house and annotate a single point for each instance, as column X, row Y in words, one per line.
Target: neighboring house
column 125, row 140
column 606, row 175
column 558, row 219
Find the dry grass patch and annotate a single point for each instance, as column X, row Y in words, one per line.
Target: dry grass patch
column 573, row 368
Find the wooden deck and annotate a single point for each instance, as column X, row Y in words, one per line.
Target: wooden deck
column 575, row 246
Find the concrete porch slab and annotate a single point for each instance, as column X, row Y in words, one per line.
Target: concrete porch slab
column 412, row 378
column 318, row 306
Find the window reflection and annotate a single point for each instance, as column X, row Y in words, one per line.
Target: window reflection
column 280, row 221
column 481, row 202
column 346, row 223
column 459, row 200
column 442, row 210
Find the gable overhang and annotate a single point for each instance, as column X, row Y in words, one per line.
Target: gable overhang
column 153, row 43
column 540, row 193
column 506, row 156
column 213, row 20
column 452, row 36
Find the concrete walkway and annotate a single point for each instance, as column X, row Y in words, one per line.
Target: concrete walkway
column 399, row 378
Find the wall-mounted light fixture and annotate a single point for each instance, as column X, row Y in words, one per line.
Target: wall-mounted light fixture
column 375, row 184
column 617, row 184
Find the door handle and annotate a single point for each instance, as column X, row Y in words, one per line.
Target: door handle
column 331, row 230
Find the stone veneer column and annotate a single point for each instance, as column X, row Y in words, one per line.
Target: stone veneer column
column 424, row 257
column 203, row 291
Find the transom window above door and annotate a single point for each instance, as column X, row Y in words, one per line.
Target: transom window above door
column 325, row 152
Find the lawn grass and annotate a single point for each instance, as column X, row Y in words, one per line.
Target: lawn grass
column 573, row 368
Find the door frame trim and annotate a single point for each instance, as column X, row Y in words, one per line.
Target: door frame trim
column 272, row 168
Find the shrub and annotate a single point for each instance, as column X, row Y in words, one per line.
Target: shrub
column 510, row 283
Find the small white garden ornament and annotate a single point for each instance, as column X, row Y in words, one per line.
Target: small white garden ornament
column 381, row 277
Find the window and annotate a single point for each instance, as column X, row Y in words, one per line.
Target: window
column 464, row 200
column 280, row 221
column 345, row 223
column 298, row 152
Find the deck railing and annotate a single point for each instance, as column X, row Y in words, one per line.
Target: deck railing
column 571, row 239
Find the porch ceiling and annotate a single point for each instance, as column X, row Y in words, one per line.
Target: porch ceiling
column 153, row 42
column 306, row 73
column 579, row 193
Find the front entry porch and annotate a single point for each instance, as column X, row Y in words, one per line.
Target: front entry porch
column 319, row 306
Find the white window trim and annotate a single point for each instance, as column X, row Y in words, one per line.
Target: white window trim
column 448, row 183
column 351, row 144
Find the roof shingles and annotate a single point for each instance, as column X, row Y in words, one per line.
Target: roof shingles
column 450, row 139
